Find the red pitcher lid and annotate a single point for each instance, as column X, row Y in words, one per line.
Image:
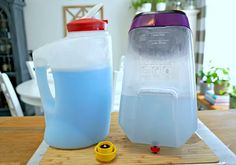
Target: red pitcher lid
column 86, row 24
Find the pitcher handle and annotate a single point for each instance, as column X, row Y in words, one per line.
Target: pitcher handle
column 45, row 93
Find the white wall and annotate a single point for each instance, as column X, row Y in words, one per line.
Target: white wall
column 44, row 22
column 220, row 43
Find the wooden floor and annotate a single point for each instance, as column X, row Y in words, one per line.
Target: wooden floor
column 19, row 138
column 222, row 124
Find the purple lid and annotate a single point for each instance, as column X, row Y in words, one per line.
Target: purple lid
column 160, row 19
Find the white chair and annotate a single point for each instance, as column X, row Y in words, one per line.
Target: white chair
column 30, row 66
column 10, row 95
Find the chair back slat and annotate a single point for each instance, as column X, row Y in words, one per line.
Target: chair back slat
column 10, row 95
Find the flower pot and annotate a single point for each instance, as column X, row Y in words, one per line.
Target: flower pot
column 161, row 6
column 204, row 87
column 232, row 103
column 220, row 87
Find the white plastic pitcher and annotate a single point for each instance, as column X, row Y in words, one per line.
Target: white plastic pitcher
column 81, row 64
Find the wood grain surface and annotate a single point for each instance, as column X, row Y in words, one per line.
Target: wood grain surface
column 194, row 151
column 19, row 138
column 222, row 124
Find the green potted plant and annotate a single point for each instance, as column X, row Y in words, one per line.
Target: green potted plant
column 206, row 82
column 233, row 98
column 221, row 80
column 142, row 5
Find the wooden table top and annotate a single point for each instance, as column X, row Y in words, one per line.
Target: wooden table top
column 21, row 136
column 222, row 124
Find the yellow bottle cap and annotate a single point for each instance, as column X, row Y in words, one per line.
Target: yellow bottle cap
column 105, row 151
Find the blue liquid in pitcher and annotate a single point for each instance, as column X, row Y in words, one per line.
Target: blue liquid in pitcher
column 81, row 113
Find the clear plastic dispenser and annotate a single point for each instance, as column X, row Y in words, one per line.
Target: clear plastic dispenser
column 158, row 100
column 81, row 64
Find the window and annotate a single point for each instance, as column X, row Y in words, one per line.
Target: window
column 220, row 44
